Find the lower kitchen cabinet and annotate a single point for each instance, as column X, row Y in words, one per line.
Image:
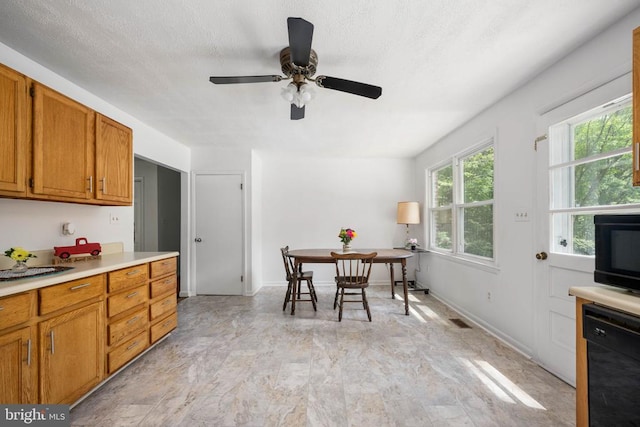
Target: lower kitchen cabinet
column 71, row 354
column 18, row 367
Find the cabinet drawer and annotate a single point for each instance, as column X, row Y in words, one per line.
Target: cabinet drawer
column 162, row 286
column 128, row 351
column 127, row 277
column 123, row 301
column 67, row 294
column 16, row 309
column 165, row 305
column 164, row 266
column 163, row 327
column 132, row 324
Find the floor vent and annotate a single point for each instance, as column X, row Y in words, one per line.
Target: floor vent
column 460, row 323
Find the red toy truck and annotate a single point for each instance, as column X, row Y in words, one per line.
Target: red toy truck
column 81, row 247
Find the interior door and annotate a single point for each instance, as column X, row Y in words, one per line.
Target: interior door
column 219, row 234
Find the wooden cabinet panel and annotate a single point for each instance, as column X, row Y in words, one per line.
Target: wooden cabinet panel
column 18, row 367
column 13, row 133
column 127, row 277
column 17, row 309
column 163, row 306
column 114, row 161
column 119, row 303
column 63, row 146
column 128, row 351
column 163, row 286
column 71, row 354
column 56, row 297
column 120, row 330
column 636, row 106
column 163, row 327
column 162, row 267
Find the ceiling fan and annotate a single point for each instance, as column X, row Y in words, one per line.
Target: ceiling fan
column 298, row 62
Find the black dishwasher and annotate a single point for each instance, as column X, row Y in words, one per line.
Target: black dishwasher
column 613, row 357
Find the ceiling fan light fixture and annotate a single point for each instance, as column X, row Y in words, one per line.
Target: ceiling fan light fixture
column 298, row 94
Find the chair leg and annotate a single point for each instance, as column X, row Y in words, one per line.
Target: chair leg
column 312, row 294
column 366, row 304
column 287, row 297
column 335, row 300
column 341, row 304
column 313, row 288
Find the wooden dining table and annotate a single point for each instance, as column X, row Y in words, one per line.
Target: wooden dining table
column 323, row 256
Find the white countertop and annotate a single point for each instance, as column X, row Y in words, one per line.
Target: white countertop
column 82, row 269
column 610, row 296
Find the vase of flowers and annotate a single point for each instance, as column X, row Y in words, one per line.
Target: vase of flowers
column 346, row 235
column 412, row 244
column 20, row 256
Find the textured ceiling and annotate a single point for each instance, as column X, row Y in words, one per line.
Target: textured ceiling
column 439, row 63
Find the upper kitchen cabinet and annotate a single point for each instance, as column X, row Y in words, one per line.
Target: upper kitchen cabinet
column 13, row 133
column 63, row 147
column 114, row 161
column 636, row 106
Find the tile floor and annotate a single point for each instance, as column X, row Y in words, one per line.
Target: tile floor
column 242, row 361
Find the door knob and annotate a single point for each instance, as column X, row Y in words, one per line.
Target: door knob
column 541, row 256
column 198, row 240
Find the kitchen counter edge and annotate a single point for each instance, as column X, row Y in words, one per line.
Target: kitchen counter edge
column 610, row 296
column 82, row 269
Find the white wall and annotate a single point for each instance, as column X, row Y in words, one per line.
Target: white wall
column 305, row 202
column 514, row 119
column 36, row 225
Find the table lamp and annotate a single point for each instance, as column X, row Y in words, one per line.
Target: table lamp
column 408, row 213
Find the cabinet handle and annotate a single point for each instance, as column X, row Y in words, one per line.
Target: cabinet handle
column 75, row 288
column 168, row 281
column 132, row 294
column 90, row 179
column 135, row 343
column 167, row 323
column 53, row 342
column 130, row 321
column 166, row 302
column 104, row 184
column 131, row 273
column 29, row 352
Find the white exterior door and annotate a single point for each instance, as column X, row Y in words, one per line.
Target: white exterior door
column 219, row 234
column 565, row 205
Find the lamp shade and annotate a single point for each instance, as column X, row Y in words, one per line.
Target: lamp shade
column 408, row 213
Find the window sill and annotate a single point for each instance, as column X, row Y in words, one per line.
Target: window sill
column 491, row 268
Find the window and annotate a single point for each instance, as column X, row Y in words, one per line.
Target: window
column 461, row 204
column 590, row 172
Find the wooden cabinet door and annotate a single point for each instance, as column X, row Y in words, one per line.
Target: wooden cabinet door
column 18, row 370
column 114, row 161
column 636, row 106
column 13, row 132
column 63, row 147
column 71, row 354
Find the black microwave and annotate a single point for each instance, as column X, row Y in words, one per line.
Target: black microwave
column 617, row 243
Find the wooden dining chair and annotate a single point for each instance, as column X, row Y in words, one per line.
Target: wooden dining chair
column 294, row 282
column 352, row 273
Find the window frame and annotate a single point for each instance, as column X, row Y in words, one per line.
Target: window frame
column 562, row 132
column 458, row 205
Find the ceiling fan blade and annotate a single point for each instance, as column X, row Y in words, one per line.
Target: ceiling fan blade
column 300, row 36
column 349, row 86
column 244, row 79
column 297, row 113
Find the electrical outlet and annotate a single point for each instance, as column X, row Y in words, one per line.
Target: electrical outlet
column 114, row 219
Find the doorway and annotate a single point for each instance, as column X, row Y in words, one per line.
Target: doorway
column 157, row 206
